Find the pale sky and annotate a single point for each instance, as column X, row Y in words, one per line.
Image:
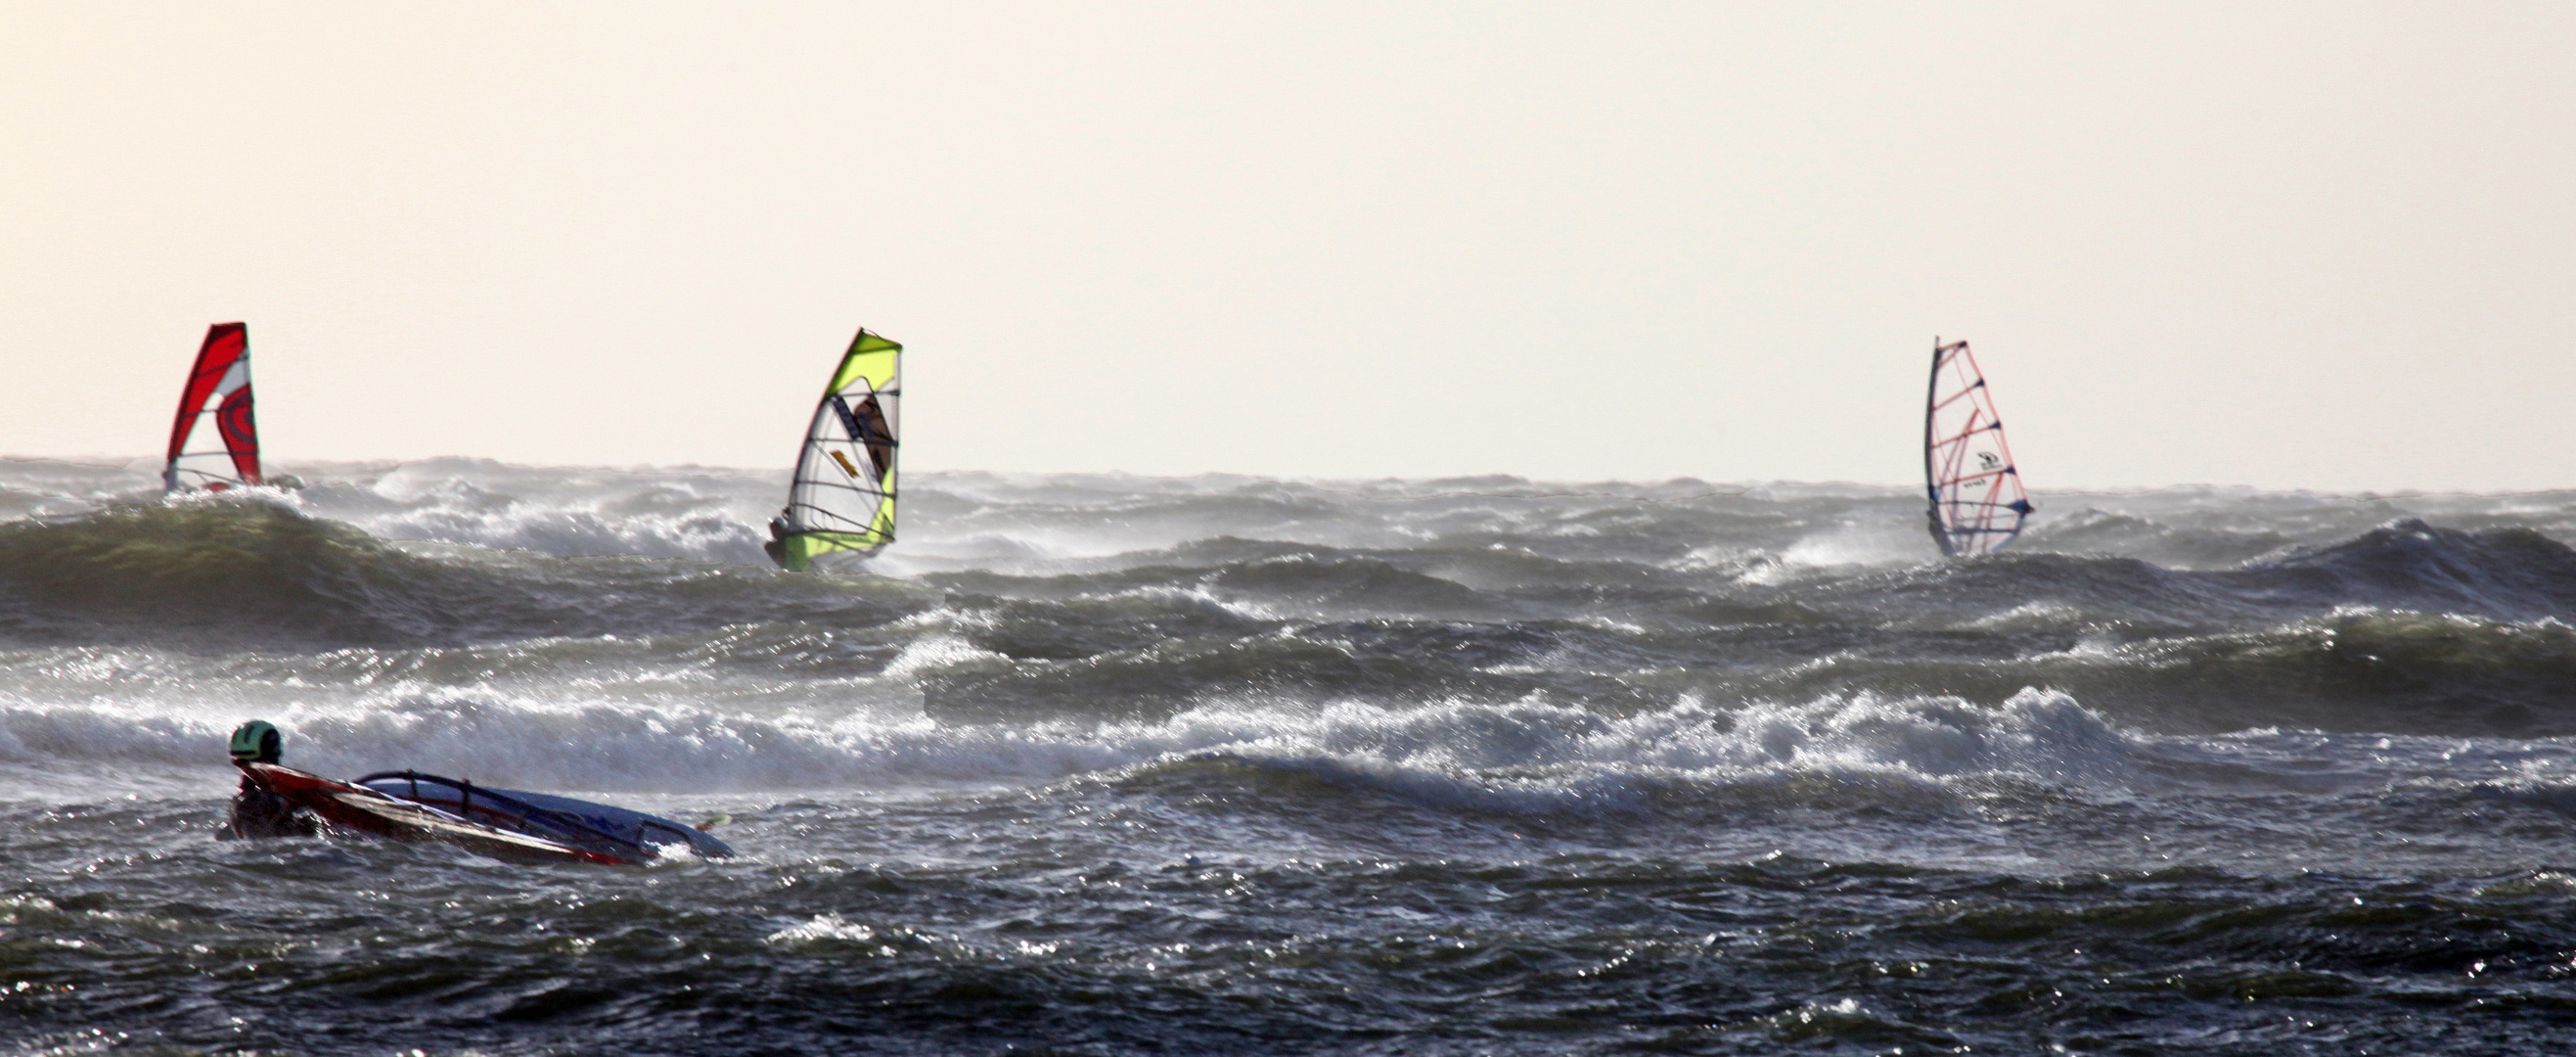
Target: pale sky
column 2327, row 245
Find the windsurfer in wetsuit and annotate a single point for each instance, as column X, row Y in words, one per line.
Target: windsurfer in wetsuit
column 256, row 811
column 777, row 545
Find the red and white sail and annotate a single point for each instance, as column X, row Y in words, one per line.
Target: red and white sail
column 1978, row 504
column 214, row 444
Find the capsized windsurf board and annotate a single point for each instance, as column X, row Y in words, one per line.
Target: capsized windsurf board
column 371, row 811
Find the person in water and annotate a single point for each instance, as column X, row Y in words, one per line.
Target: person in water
column 257, row 812
column 776, row 548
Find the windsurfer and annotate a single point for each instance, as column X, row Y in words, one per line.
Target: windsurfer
column 258, row 812
column 777, row 545
column 840, row 503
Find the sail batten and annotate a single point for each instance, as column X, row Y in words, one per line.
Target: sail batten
column 1978, row 504
column 841, row 504
column 218, row 391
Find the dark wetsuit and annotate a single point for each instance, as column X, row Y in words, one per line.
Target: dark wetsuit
column 777, row 545
column 259, row 813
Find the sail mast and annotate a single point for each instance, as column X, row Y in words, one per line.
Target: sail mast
column 1931, row 476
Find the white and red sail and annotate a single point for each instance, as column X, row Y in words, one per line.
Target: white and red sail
column 1978, row 504
column 214, row 443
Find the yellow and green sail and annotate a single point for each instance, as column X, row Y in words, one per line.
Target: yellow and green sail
column 841, row 505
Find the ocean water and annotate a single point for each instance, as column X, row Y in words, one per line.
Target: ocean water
column 1119, row 765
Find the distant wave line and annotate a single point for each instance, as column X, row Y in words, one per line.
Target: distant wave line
column 1736, row 493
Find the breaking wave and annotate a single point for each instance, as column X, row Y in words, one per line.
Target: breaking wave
column 1511, row 756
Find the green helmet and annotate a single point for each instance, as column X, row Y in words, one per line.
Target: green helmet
column 258, row 740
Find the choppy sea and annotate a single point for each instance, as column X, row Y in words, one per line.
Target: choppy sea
column 1234, row 765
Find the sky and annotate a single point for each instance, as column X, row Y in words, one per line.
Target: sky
column 2320, row 245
